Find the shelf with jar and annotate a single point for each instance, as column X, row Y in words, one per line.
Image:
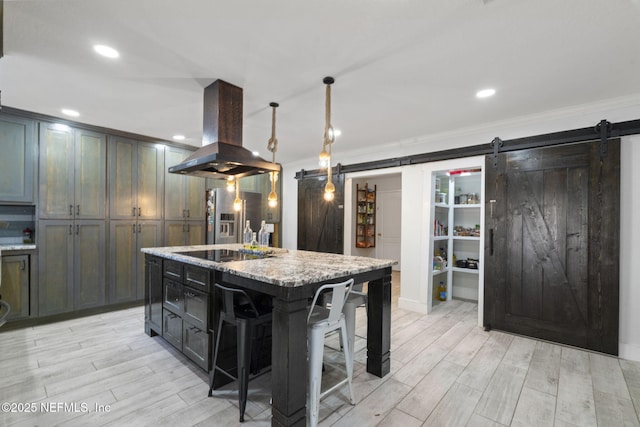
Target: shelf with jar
column 365, row 216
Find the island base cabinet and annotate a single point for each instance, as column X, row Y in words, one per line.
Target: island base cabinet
column 153, row 295
column 196, row 345
column 172, row 328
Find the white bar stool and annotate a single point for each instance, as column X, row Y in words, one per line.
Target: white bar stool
column 356, row 299
column 320, row 322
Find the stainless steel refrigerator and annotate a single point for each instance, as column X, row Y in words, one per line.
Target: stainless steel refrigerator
column 224, row 224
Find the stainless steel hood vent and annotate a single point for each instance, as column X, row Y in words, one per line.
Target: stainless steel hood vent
column 222, row 154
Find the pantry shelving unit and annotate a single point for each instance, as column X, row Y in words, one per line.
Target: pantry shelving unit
column 456, row 234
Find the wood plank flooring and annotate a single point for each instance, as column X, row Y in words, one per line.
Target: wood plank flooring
column 104, row 371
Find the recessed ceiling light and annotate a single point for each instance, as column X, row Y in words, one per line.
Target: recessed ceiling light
column 485, row 93
column 107, row 51
column 178, row 137
column 68, row 112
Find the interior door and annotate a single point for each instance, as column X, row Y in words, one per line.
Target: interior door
column 388, row 218
column 551, row 256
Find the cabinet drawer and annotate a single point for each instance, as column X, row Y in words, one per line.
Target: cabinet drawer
column 196, row 345
column 196, row 307
column 172, row 328
column 197, row 277
column 173, row 296
column 173, row 270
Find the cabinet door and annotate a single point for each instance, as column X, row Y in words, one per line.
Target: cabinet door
column 195, row 197
column 15, row 284
column 174, row 186
column 150, row 170
column 89, row 263
column 195, row 344
column 122, row 178
column 55, row 278
column 195, row 233
column 149, row 235
column 90, row 175
column 174, row 233
column 56, row 171
column 17, row 161
column 122, row 261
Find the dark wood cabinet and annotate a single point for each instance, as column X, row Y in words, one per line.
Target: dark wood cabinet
column 186, row 301
column 15, row 284
column 153, row 295
column 172, row 328
column 18, row 161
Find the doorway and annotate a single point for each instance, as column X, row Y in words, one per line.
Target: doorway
column 388, row 185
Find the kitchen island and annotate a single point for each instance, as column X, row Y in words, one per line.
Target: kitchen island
column 290, row 278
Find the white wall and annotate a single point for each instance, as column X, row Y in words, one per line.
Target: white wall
column 629, row 336
column 615, row 110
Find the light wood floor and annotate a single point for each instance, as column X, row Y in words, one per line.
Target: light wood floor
column 104, row 371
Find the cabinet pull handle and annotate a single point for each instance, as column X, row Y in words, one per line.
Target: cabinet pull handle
column 23, row 265
column 78, row 210
column 133, row 228
column 188, row 213
column 139, row 212
column 133, row 211
column 77, row 229
column 139, row 228
column 183, row 227
column 188, row 228
column 184, row 213
column 171, row 273
column 197, row 282
column 70, row 210
column 491, row 241
column 189, row 294
column 70, row 229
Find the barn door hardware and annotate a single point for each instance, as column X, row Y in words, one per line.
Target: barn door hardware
column 495, row 145
column 604, row 129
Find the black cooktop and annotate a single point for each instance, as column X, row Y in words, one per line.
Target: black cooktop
column 220, row 255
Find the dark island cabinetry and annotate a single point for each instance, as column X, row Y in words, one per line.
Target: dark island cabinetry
column 178, row 307
column 153, row 295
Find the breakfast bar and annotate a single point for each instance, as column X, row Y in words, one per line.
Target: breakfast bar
column 290, row 278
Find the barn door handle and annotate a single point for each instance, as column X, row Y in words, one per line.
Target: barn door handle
column 491, row 241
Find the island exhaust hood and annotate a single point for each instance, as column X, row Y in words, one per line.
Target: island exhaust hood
column 222, row 155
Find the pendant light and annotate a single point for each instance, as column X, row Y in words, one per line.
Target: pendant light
column 329, row 138
column 237, row 203
column 272, row 146
column 231, row 184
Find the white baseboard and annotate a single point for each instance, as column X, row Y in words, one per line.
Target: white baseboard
column 629, row 351
column 412, row 305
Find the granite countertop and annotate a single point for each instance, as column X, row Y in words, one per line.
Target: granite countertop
column 285, row 267
column 18, row 247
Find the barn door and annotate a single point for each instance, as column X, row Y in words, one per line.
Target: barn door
column 551, row 256
column 320, row 223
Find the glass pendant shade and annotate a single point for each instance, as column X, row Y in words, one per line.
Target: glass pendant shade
column 237, row 203
column 231, row 184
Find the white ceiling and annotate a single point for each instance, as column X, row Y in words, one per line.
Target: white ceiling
column 403, row 68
